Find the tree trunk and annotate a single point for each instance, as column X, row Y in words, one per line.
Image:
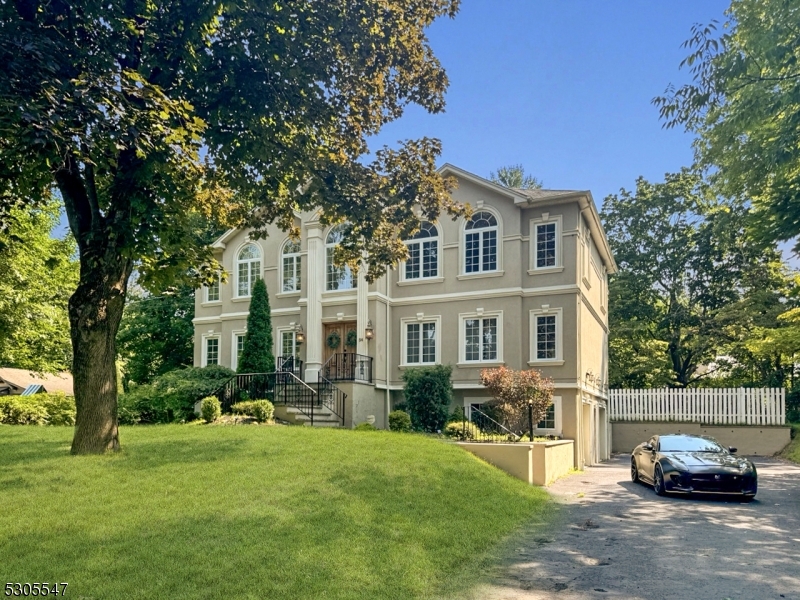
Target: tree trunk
column 95, row 312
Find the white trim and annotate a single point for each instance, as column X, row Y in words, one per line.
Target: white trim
column 206, row 289
column 204, row 348
column 296, row 256
column 236, row 263
column 480, row 275
column 558, row 420
column 546, row 219
column 462, row 239
column 421, row 279
column 558, row 313
column 521, row 292
column 235, row 348
column 279, row 340
column 462, row 337
column 437, row 319
column 353, row 276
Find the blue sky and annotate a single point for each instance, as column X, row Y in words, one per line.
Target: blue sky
column 563, row 88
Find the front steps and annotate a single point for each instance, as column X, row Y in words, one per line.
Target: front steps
column 322, row 416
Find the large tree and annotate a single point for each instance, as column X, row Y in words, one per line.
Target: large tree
column 146, row 113
column 744, row 106
column 685, row 261
column 37, row 273
column 257, row 356
column 514, row 176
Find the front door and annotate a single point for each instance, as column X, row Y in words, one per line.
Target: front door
column 329, row 341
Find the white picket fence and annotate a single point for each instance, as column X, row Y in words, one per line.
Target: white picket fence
column 718, row 406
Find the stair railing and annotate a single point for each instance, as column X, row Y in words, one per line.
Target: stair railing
column 331, row 397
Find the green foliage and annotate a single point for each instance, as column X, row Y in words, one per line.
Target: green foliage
column 518, row 396
column 261, row 410
column 458, row 414
column 399, row 420
column 743, row 104
column 688, row 271
column 257, row 356
column 37, row 275
column 38, row 409
column 156, row 334
column 513, row 176
column 428, row 394
column 365, row 427
column 462, row 431
column 172, row 396
column 210, row 409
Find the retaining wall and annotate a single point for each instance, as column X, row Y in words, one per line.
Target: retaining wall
column 539, row 463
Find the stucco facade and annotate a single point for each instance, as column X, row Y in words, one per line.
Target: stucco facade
column 524, row 287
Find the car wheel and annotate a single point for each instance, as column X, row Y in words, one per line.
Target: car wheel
column 634, row 471
column 658, row 481
column 748, row 498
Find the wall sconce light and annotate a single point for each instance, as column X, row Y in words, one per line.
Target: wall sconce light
column 299, row 335
column 369, row 332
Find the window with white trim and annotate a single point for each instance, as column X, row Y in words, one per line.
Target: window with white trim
column 212, row 351
column 212, row 291
column 337, row 277
column 423, row 253
column 481, row 339
column 291, row 265
column 546, row 334
column 545, row 245
column 551, row 424
column 421, row 343
column 238, row 348
column 549, row 421
column 289, row 345
column 248, row 269
column 480, row 243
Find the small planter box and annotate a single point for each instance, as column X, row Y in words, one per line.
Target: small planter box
column 538, row 463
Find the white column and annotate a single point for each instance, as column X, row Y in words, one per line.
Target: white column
column 316, row 285
column 362, row 310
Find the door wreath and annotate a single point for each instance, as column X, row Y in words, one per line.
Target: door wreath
column 333, row 340
column 352, row 338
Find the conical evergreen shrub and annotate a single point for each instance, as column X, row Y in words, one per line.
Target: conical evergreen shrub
column 257, row 354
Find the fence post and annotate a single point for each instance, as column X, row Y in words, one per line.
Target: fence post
column 530, row 422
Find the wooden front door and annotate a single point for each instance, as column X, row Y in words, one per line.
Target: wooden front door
column 340, row 327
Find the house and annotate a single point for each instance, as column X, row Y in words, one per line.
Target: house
column 19, row 381
column 523, row 283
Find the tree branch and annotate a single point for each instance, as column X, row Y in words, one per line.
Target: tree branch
column 76, row 199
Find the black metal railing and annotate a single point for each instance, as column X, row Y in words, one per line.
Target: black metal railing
column 331, row 397
column 348, row 366
column 290, row 364
column 286, row 389
column 480, row 427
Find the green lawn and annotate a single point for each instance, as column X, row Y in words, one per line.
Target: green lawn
column 193, row 511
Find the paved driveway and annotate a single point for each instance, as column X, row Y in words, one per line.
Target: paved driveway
column 618, row 539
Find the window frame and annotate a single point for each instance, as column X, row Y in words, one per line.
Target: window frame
column 558, row 425
column 546, row 219
column 420, row 242
column 437, row 320
column 235, row 347
column 297, row 260
column 462, row 338
column 329, row 247
column 498, row 229
column 279, row 341
column 250, row 262
column 207, row 289
column 204, row 349
column 534, row 315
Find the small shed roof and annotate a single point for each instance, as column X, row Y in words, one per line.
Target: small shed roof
column 17, row 380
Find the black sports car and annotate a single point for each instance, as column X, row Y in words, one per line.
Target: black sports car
column 691, row 463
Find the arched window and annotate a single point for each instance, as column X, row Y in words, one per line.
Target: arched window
column 291, row 266
column 423, row 253
column 248, row 269
column 480, row 243
column 337, row 277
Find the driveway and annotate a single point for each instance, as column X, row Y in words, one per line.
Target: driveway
column 617, row 539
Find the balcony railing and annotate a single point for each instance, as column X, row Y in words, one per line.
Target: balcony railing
column 348, row 366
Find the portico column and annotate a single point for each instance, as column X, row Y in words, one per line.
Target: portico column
column 316, row 285
column 362, row 310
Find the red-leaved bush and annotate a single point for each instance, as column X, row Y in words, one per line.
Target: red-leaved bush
column 514, row 390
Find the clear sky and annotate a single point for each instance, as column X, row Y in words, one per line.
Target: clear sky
column 563, row 87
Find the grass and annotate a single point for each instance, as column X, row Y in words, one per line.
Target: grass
column 187, row 511
column 792, row 451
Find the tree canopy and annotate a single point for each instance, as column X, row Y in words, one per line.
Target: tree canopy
column 144, row 115
column 37, row 274
column 744, row 106
column 514, row 176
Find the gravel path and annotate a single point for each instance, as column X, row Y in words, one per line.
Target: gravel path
column 618, row 539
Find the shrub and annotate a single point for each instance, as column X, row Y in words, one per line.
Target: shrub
column 365, row 427
column 428, row 393
column 462, row 430
column 14, row 410
column 456, row 415
column 518, row 394
column 210, row 409
column 60, row 407
column 260, row 410
column 172, row 396
column 399, row 420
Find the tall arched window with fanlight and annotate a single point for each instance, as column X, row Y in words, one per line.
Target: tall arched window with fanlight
column 337, row 277
column 291, row 261
column 248, row 269
column 480, row 243
column 423, row 253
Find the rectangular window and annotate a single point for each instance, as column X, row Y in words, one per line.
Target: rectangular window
column 212, row 351
column 473, row 252
column 288, row 345
column 413, row 262
column 546, row 337
column 549, row 421
column 480, row 336
column 489, row 251
column 338, row 277
column 238, row 341
column 421, row 343
column 545, row 245
column 430, row 259
column 412, row 343
column 291, row 273
column 212, row 291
